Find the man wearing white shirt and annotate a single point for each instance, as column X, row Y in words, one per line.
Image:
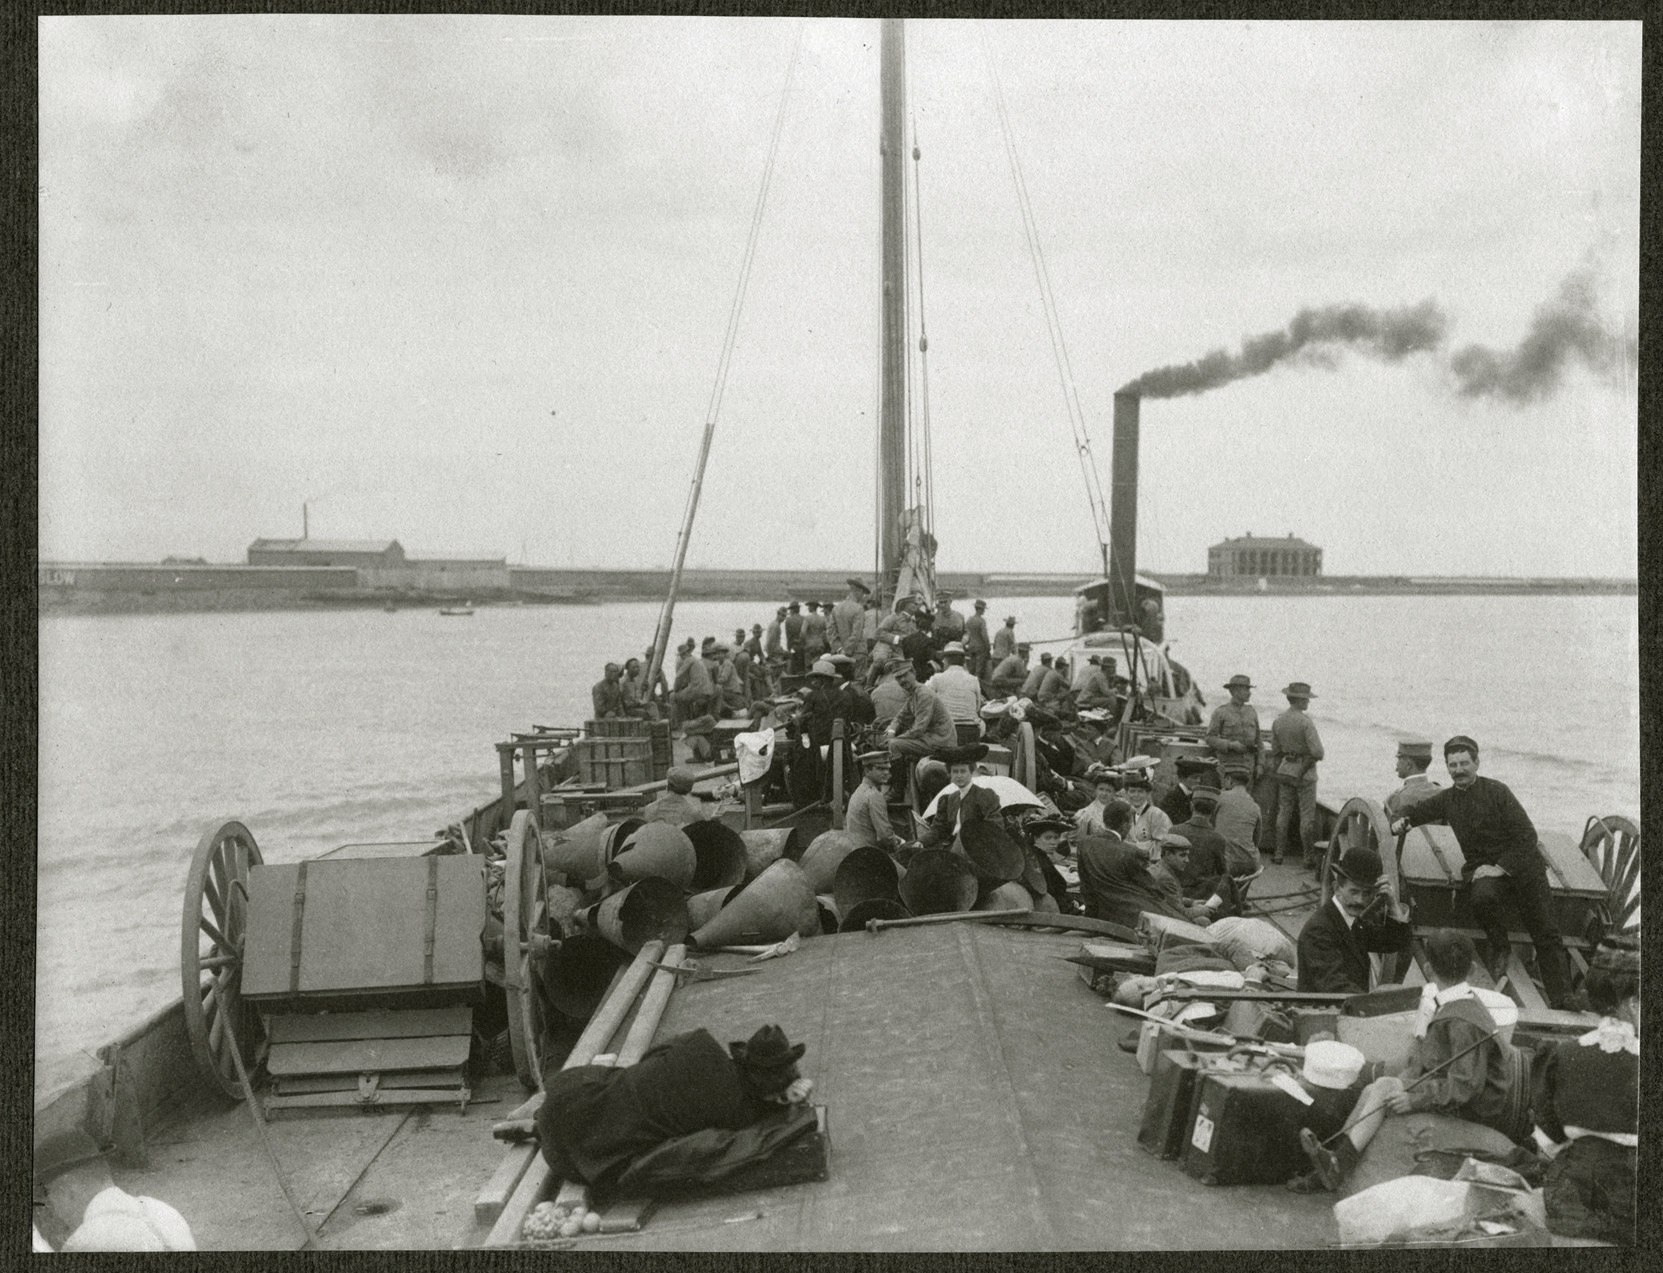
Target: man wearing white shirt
column 960, row 692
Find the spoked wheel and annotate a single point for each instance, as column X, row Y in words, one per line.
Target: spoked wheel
column 1362, row 824
column 1612, row 844
column 211, row 955
column 524, row 919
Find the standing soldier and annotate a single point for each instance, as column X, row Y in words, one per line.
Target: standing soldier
column 773, row 650
column 976, row 643
column 794, row 623
column 1004, row 640
column 1295, row 749
column 846, row 626
column 1234, row 727
column 814, row 632
column 1412, row 759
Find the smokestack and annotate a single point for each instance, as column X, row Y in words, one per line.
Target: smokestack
column 1123, row 510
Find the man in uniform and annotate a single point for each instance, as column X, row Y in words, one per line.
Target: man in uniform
column 731, row 699
column 976, row 643
column 1234, row 727
column 867, row 820
column 1011, row 670
column 888, row 698
column 1098, row 690
column 1361, row 917
column 695, row 693
column 678, row 805
column 1503, row 861
column 1055, row 689
column 814, row 632
column 922, row 726
column 893, row 628
column 1206, row 876
column 1295, row 749
column 1036, row 677
column 794, row 622
column 1004, row 640
column 846, row 623
column 961, row 692
column 1170, row 872
column 1237, row 819
column 1413, row 757
column 607, row 695
column 949, row 623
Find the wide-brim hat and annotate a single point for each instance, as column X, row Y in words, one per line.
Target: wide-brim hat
column 966, row 755
column 856, row 584
column 1137, row 762
column 767, row 1049
column 1298, row 689
column 953, row 647
column 1093, row 714
column 823, row 667
column 1239, row 681
column 1047, row 822
column 1360, row 866
column 1332, row 1064
column 996, row 709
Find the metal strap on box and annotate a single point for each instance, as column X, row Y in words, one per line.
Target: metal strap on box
column 432, row 919
column 1450, row 874
column 294, row 933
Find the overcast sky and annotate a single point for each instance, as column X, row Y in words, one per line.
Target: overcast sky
column 463, row 281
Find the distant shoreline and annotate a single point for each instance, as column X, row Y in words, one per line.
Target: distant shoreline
column 724, row 586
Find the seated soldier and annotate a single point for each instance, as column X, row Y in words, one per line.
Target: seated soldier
column 1459, row 1066
column 1208, row 873
column 595, row 1120
column 1168, row 873
column 1361, row 917
column 678, row 805
column 1588, row 1101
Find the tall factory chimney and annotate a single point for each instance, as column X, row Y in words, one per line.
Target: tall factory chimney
column 1123, row 511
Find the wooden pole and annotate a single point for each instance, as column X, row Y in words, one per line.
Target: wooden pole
column 837, row 774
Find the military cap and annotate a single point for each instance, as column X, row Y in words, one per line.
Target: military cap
column 873, row 759
column 1204, row 791
column 680, row 780
column 1175, row 844
column 1414, row 749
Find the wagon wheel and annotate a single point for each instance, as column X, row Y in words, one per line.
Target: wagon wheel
column 1612, row 844
column 211, row 948
column 1362, row 824
column 524, row 917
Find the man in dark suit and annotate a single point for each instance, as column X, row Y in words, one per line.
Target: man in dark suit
column 964, row 801
column 1361, row 917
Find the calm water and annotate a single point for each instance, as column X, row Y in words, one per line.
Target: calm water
column 319, row 729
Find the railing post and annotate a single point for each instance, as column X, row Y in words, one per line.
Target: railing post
column 837, row 774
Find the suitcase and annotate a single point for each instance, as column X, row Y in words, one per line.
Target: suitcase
column 1170, row 1107
column 1246, row 1129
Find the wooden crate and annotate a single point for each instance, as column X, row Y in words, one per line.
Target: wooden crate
column 616, row 760
column 356, row 932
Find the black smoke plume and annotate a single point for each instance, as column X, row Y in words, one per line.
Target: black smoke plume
column 1565, row 329
column 1313, row 336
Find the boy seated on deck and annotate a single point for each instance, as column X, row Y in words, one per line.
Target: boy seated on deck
column 1459, row 1066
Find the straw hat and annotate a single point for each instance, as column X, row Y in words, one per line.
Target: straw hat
column 1332, row 1064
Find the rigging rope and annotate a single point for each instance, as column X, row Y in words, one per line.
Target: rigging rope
column 1053, row 322
column 661, row 639
column 923, row 341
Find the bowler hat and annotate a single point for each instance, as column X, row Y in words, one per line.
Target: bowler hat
column 1239, row 681
column 967, row 755
column 1414, row 749
column 767, row 1049
column 1360, row 866
column 1298, row 689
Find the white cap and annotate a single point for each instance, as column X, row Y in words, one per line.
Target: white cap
column 1329, row 1063
column 118, row 1221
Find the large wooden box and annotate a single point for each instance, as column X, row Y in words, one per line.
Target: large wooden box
column 617, row 761
column 362, row 932
column 1432, row 864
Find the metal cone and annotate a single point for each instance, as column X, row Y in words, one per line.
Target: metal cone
column 719, row 855
column 770, row 908
column 866, row 873
column 659, row 850
column 938, row 881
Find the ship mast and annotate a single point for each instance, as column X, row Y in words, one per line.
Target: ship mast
column 892, row 424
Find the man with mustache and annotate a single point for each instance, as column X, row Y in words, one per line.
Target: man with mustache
column 1361, row 917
